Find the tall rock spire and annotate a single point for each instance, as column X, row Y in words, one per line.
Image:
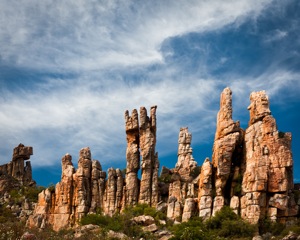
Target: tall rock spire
column 226, row 150
column 132, row 157
column 149, row 161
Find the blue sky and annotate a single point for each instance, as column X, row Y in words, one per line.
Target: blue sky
column 70, row 69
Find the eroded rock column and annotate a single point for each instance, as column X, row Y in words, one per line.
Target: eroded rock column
column 268, row 177
column 133, row 158
column 64, row 195
column 82, row 184
column 205, row 190
column 149, row 159
column 185, row 164
column 227, row 144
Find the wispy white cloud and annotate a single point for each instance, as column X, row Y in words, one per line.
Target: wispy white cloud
column 276, row 35
column 82, row 36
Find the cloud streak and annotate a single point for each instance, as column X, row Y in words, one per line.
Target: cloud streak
column 83, row 36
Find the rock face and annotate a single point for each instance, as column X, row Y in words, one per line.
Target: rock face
column 79, row 192
column 205, row 190
column 227, row 151
column 185, row 164
column 181, row 202
column 268, row 176
column 19, row 167
column 251, row 171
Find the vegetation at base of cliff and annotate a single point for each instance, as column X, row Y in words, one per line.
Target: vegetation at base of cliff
column 224, row 225
column 30, row 193
column 123, row 222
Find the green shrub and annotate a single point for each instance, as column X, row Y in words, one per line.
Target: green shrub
column 196, row 171
column 239, row 228
column 266, row 225
column 225, row 213
column 228, row 224
column 193, row 229
column 165, row 178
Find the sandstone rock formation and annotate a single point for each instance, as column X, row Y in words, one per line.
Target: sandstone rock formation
column 86, row 190
column 268, row 177
column 251, row 171
column 181, row 202
column 132, row 157
column 185, row 164
column 19, row 167
column 79, row 192
column 149, row 161
column 226, row 150
column 205, row 190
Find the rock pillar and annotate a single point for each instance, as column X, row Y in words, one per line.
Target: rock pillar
column 132, row 157
column 268, row 176
column 149, row 161
column 226, row 150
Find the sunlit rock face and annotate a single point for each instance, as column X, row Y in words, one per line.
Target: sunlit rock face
column 89, row 189
column 149, row 158
column 251, row 171
column 182, row 200
column 268, row 176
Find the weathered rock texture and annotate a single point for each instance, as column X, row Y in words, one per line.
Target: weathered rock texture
column 227, row 151
column 268, row 177
column 86, row 190
column 79, row 192
column 185, row 164
column 19, row 168
column 205, row 190
column 251, row 171
column 132, row 157
column 181, row 202
column 149, row 161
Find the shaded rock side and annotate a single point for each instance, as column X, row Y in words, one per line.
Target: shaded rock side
column 132, row 157
column 149, row 159
column 268, row 176
column 113, row 192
